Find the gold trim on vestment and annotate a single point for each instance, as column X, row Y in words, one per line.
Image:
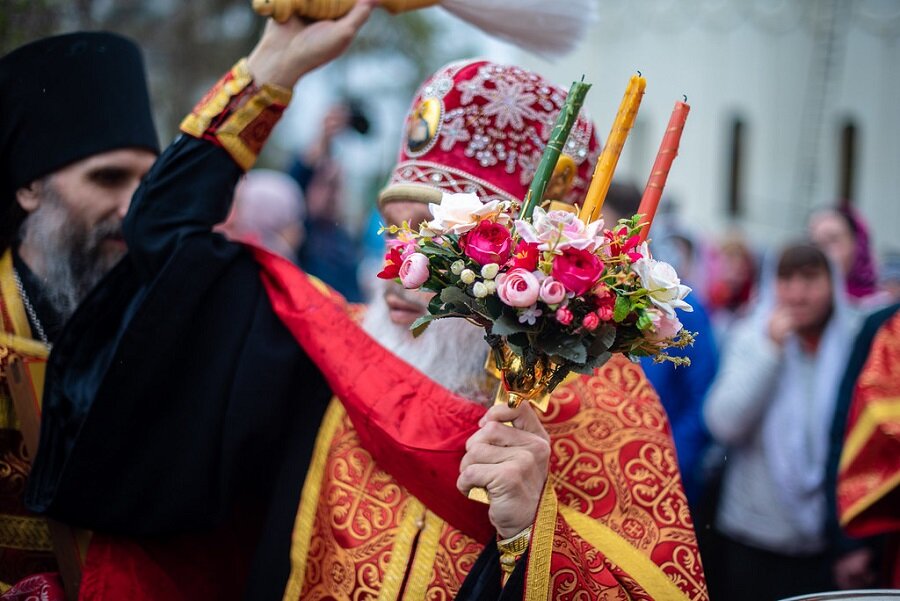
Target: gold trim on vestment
column 537, row 576
column 870, row 499
column 199, row 120
column 25, row 533
column 874, row 414
column 11, row 298
column 309, row 500
column 229, row 134
column 620, row 552
column 421, row 572
column 395, row 572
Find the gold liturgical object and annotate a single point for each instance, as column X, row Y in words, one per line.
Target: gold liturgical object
column 281, row 10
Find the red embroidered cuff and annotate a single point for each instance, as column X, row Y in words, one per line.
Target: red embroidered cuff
column 238, row 115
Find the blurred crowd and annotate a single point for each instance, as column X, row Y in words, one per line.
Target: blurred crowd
column 759, row 417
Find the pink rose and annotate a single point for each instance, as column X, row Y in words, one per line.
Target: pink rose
column 552, row 292
column 664, row 327
column 414, row 270
column 577, row 270
column 590, row 322
column 488, row 243
column 518, row 288
column 564, row 316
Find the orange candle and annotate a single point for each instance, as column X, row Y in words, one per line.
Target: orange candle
column 668, row 150
column 606, row 164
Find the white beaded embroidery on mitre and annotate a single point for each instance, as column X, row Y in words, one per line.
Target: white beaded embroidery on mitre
column 503, row 117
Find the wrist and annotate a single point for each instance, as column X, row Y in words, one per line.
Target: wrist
column 238, row 114
column 513, row 548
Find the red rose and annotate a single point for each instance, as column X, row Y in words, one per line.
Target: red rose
column 392, row 262
column 590, row 322
column 488, row 243
column 577, row 270
column 526, row 256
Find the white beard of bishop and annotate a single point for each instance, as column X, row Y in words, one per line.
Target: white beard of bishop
column 451, row 351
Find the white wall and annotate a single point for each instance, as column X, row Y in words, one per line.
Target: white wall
column 755, row 59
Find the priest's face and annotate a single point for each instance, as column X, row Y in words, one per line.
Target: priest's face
column 73, row 233
column 451, row 351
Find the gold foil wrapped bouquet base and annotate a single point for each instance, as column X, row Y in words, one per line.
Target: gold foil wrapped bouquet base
column 281, row 10
column 525, row 380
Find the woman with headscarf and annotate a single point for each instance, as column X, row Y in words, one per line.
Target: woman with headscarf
column 772, row 406
column 844, row 236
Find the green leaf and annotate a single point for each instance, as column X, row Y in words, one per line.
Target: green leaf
column 421, row 324
column 493, row 306
column 518, row 343
column 440, row 251
column 571, row 349
column 507, row 325
column 596, row 361
column 622, row 309
column 644, row 322
column 436, row 306
column 456, row 297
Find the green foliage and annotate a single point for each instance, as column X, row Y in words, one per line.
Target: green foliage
column 622, row 308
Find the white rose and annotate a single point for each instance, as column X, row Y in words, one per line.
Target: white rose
column 460, row 213
column 663, row 284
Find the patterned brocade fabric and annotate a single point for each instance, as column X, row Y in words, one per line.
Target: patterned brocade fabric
column 621, row 529
column 360, row 535
column 623, row 516
column 238, row 115
column 869, row 475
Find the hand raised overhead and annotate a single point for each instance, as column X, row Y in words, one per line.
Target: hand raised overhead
column 287, row 51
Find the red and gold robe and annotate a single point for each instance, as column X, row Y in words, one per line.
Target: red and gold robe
column 613, row 520
column 869, row 473
column 25, row 544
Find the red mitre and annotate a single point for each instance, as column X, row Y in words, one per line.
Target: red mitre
column 480, row 127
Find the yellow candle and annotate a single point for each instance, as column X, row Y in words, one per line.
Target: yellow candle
column 606, row 164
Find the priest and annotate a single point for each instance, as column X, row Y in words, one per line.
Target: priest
column 76, row 137
column 188, row 407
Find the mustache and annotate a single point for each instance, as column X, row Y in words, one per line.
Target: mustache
column 111, row 229
column 401, row 295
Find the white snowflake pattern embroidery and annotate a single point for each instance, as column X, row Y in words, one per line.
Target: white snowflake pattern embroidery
column 510, row 103
column 454, row 131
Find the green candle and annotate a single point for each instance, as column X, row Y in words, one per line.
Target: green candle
column 558, row 137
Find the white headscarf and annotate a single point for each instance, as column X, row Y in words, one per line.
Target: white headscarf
column 797, row 425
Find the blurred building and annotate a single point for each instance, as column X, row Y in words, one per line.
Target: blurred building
column 794, row 104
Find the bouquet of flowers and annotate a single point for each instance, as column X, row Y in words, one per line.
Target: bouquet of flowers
column 560, row 294
column 554, row 290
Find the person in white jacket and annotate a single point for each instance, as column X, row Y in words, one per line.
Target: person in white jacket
column 771, row 406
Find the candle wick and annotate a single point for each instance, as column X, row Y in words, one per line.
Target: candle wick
column 685, row 98
column 639, row 73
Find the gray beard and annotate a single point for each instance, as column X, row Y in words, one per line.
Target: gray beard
column 72, row 257
column 451, row 351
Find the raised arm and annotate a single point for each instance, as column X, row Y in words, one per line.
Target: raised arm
column 190, row 188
